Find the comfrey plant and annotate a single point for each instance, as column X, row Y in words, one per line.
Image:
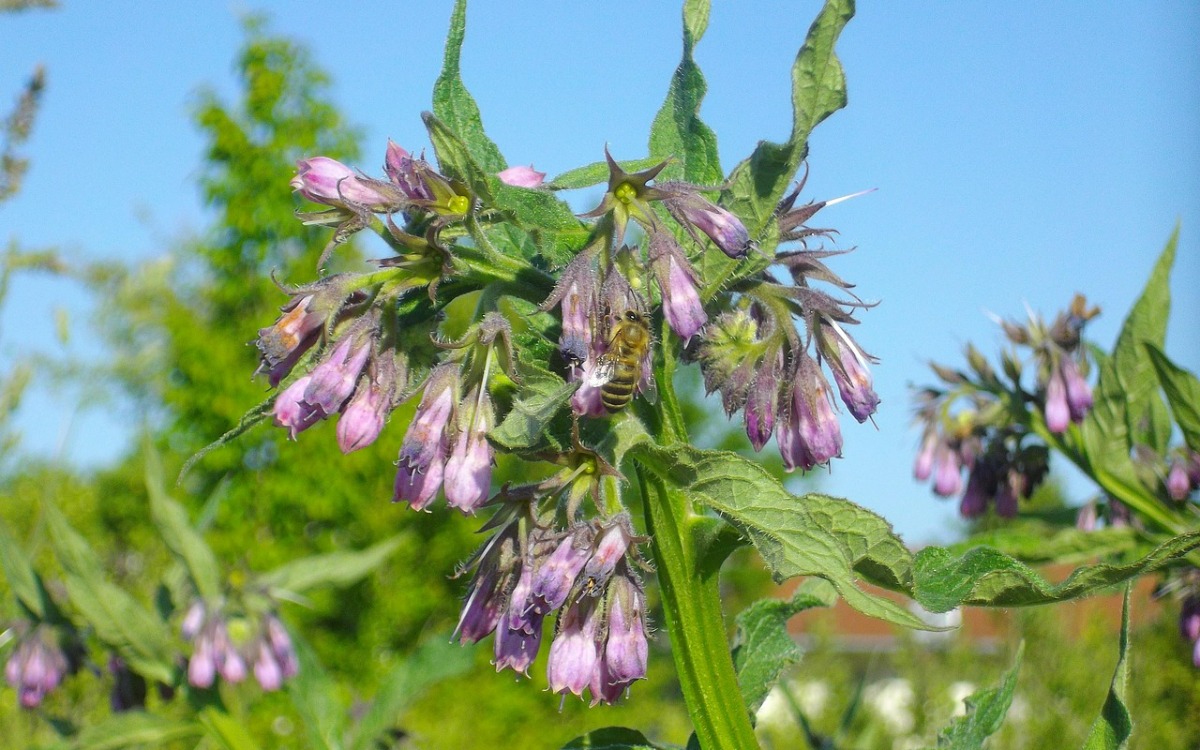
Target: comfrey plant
column 1135, row 435
column 510, row 325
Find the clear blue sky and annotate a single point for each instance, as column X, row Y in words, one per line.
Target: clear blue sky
column 1022, row 152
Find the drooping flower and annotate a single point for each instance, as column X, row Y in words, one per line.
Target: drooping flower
column 333, row 380
column 556, row 575
column 573, row 652
column 468, row 477
column 293, row 412
column 848, row 363
column 1058, row 413
column 423, row 452
column 285, row 340
column 36, row 666
column 1079, row 394
column 813, row 435
column 678, row 282
column 695, row 212
column 363, row 417
column 625, row 651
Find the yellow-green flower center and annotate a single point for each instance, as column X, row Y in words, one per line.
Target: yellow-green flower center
column 625, row 193
column 459, row 204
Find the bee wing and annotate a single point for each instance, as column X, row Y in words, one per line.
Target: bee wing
column 602, row 372
column 649, row 388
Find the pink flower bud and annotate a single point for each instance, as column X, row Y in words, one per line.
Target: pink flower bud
column 401, row 169
column 293, row 412
column 362, row 417
column 334, row 378
column 324, row 180
column 266, row 668
column 1179, row 486
column 526, row 177
column 947, row 480
column 1058, row 413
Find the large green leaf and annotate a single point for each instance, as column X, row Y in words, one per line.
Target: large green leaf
column 611, row 738
column 818, row 90
column 314, row 694
column 1114, row 725
column 985, row 712
column 1043, row 543
column 763, row 647
column 1183, row 395
column 435, row 660
column 129, row 628
column 23, row 580
column 455, row 106
column 1128, row 409
column 177, row 532
column 678, row 131
column 133, row 729
column 813, row 535
column 985, row 577
column 330, row 569
column 455, row 158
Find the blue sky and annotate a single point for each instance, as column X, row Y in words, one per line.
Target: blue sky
column 1022, row 152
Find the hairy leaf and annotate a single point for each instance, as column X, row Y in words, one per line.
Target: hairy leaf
column 435, row 660
column 1044, row 543
column 454, row 157
column 985, row 712
column 455, row 106
column 813, row 535
column 542, row 396
column 763, row 646
column 985, row 577
column 1114, row 725
column 177, row 532
column 678, row 131
column 596, row 173
column 330, row 569
column 1183, row 395
column 134, row 729
column 818, row 90
column 134, row 632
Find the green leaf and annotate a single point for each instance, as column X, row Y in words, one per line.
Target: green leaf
column 1183, row 395
column 985, row 577
column 536, row 208
column 542, row 395
column 178, row 534
column 314, row 694
column 133, row 729
column 23, row 580
column 763, row 646
column 596, row 173
column 1128, row 409
column 455, row 106
column 818, row 90
column 611, row 738
column 985, row 712
column 677, row 130
column 330, row 569
column 455, row 158
column 1114, row 725
column 813, row 535
column 226, row 731
column 133, row 631
column 435, row 660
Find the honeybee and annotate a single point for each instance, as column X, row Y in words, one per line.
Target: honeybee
column 619, row 370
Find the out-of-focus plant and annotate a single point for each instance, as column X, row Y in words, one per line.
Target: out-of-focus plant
column 1136, row 436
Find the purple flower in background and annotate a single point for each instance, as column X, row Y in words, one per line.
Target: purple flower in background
column 1058, row 412
column 947, row 472
column 36, row 666
column 1079, row 394
column 526, row 177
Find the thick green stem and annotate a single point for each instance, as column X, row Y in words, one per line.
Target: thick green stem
column 691, row 600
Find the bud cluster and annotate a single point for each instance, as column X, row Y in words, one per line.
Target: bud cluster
column 586, row 573
column 981, row 421
column 231, row 646
column 37, row 665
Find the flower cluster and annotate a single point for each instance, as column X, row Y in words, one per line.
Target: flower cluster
column 526, row 572
column 37, row 665
column 232, row 646
column 982, row 423
column 480, row 299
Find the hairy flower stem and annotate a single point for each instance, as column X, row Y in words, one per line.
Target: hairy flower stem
column 691, row 600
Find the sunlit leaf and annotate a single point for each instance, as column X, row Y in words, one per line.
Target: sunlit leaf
column 818, row 90
column 314, row 693
column 763, row 648
column 226, row 731
column 455, row 106
column 985, row 713
column 611, row 738
column 985, row 577
column 596, row 173
column 542, row 395
column 677, row 132
column 1114, row 725
column 23, row 580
